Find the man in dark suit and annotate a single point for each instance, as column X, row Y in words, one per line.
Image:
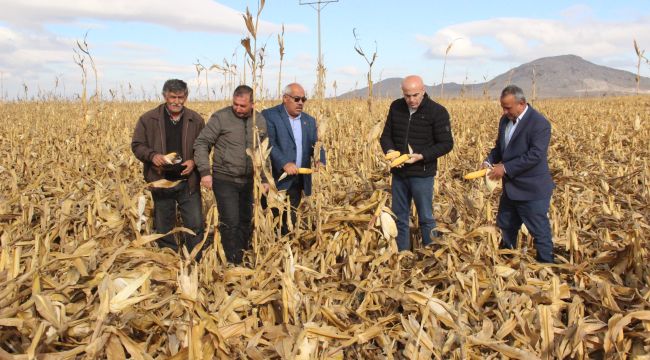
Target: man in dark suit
column 292, row 134
column 519, row 159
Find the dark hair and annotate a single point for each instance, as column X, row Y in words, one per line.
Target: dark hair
column 514, row 90
column 175, row 85
column 242, row 90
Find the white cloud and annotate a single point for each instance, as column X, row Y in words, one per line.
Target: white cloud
column 348, row 71
column 152, row 65
column 188, row 15
column 302, row 61
column 137, row 47
column 26, row 51
column 30, row 53
column 36, row 59
column 577, row 11
column 525, row 39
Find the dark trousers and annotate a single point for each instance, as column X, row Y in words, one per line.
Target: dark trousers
column 533, row 213
column 420, row 190
column 165, row 202
column 235, row 205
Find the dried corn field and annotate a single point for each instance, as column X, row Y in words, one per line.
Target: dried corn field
column 80, row 278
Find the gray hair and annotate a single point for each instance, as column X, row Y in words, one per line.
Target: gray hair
column 515, row 91
column 175, row 85
column 288, row 89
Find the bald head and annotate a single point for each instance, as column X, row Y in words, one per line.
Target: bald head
column 293, row 98
column 413, row 90
column 412, row 83
column 293, row 87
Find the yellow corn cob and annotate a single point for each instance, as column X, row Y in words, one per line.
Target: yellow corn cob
column 476, row 174
column 391, row 155
column 163, row 183
column 170, row 157
column 302, row 171
column 400, row 160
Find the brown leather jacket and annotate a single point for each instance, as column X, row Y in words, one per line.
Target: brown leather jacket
column 149, row 140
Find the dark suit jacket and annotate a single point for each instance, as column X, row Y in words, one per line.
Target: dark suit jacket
column 525, row 158
column 283, row 144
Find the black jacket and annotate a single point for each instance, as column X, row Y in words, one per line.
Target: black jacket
column 427, row 130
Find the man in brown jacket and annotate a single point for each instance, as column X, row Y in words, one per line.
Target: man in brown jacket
column 168, row 128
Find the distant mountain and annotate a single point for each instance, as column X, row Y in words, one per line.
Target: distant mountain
column 556, row 76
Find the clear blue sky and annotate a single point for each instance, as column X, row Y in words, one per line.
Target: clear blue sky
column 144, row 42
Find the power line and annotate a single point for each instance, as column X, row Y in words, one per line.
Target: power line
column 318, row 6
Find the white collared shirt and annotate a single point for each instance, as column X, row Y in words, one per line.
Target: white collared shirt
column 510, row 127
column 296, row 128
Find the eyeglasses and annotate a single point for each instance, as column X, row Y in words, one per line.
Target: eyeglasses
column 297, row 98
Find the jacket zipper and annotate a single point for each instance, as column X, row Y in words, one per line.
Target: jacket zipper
column 186, row 127
column 245, row 146
column 406, row 142
column 162, row 134
column 408, row 128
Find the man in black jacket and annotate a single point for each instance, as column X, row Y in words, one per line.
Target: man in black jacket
column 417, row 123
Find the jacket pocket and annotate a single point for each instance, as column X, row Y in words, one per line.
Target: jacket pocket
column 234, row 160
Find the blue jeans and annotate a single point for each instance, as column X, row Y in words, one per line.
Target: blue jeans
column 533, row 213
column 420, row 190
column 189, row 204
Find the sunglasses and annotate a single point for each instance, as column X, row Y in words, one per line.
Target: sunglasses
column 297, row 98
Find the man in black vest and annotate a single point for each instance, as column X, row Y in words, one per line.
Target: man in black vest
column 415, row 122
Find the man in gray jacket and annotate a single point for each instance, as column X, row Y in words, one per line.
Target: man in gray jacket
column 230, row 132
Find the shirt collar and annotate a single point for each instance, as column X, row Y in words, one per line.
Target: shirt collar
column 292, row 118
column 171, row 118
column 521, row 116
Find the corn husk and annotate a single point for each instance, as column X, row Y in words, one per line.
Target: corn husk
column 81, row 275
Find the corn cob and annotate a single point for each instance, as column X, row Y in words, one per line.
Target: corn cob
column 489, row 183
column 301, row 171
column 475, row 174
column 163, row 183
column 400, row 160
column 169, row 158
column 391, row 155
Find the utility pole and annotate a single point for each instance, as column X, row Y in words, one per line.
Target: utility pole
column 319, row 5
